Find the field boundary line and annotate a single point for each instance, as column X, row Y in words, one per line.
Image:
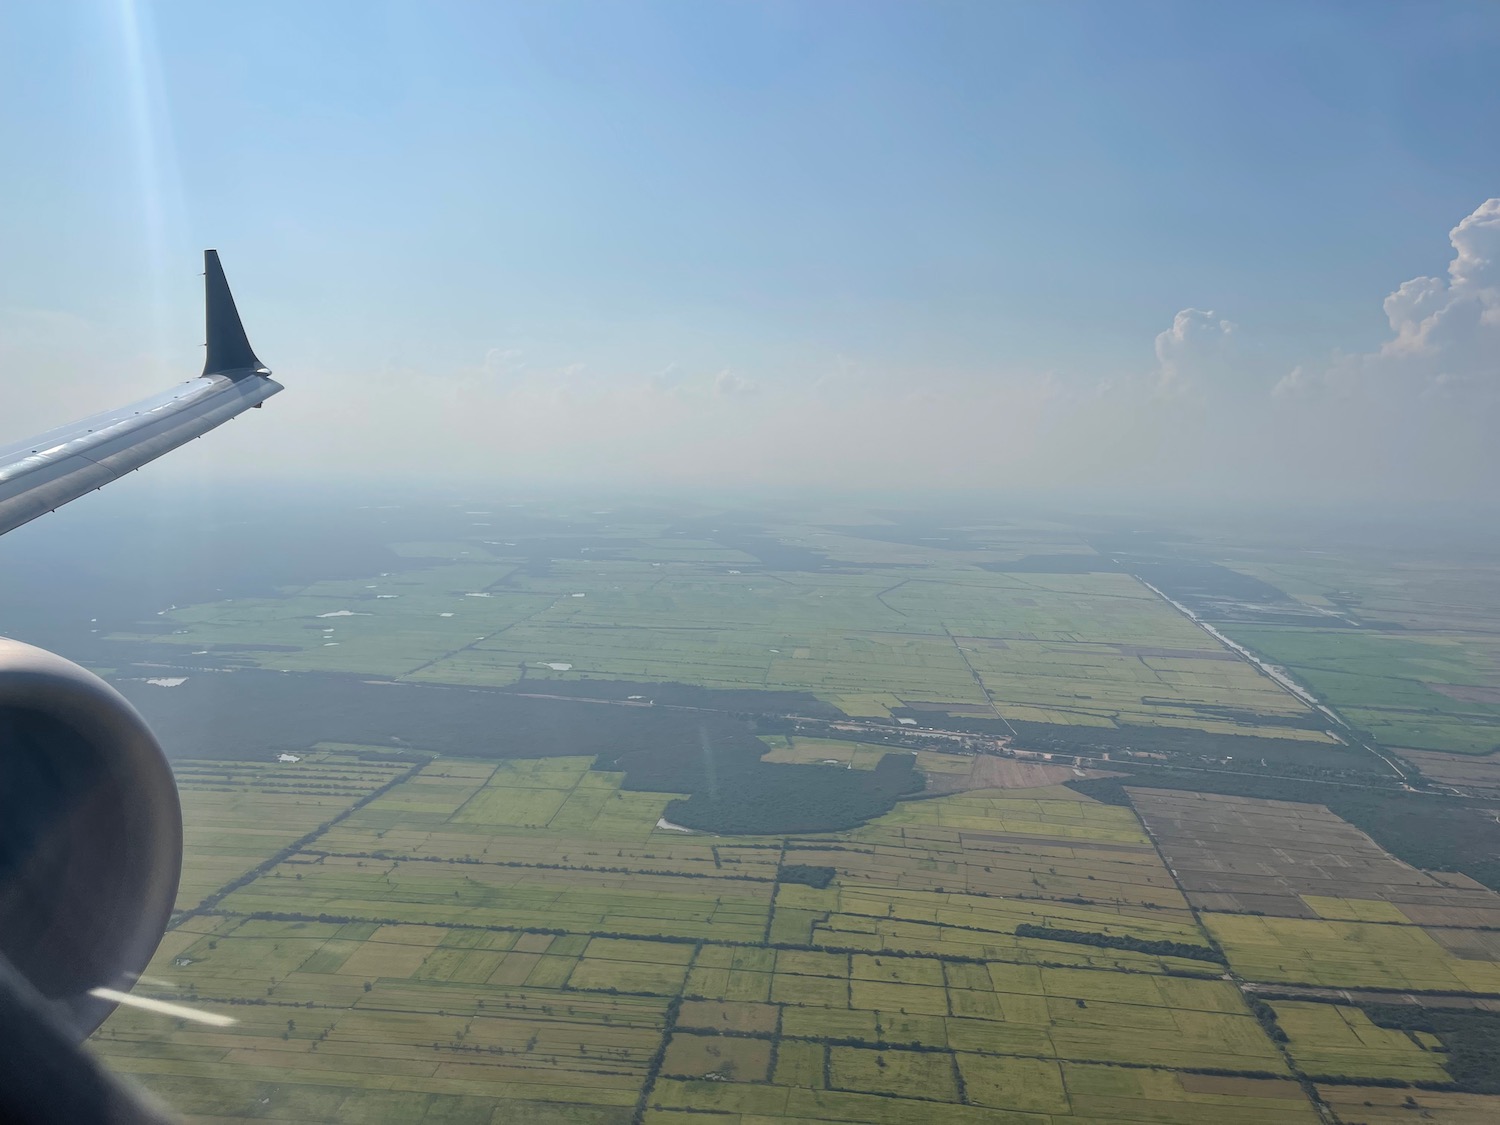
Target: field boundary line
column 210, row 902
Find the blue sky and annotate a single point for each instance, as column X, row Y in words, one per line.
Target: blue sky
column 564, row 203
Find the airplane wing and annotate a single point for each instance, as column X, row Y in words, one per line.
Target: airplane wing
column 90, row 824
column 44, row 473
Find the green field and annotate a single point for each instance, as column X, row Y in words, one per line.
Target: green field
column 519, row 936
column 953, row 639
column 1437, row 692
column 467, row 901
column 1421, row 670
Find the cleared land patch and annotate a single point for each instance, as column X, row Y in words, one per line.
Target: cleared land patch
column 1296, row 860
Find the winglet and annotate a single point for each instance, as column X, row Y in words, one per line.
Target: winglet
column 229, row 351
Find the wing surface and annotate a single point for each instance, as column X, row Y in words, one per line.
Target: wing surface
column 47, row 471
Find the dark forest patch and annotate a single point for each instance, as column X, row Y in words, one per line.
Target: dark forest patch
column 915, row 535
column 1471, row 1040
column 806, row 875
column 1155, row 948
column 1055, row 564
column 712, row 756
column 735, row 795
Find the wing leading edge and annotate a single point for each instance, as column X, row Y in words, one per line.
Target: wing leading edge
column 42, row 474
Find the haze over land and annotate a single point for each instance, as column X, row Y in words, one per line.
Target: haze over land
column 1148, row 249
column 828, row 563
column 632, row 811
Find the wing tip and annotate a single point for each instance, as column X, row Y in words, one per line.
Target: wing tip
column 229, row 348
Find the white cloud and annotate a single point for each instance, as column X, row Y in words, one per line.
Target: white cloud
column 1445, row 333
column 1477, row 240
column 1413, row 417
column 727, row 385
column 1199, row 345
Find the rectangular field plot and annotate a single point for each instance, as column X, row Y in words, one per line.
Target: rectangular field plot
column 498, row 895
column 721, row 1056
column 1373, row 1105
column 905, row 1074
column 1347, row 955
column 239, row 814
column 1334, row 1040
column 1296, row 860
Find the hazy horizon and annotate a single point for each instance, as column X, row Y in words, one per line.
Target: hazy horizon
column 1156, row 253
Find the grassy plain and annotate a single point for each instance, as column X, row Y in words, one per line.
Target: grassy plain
column 637, row 604
column 1433, row 692
column 1422, row 668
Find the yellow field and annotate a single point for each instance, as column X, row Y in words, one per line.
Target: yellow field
column 1347, row 955
column 1328, row 1039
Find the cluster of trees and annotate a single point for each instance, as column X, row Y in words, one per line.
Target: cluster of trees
column 1265, row 1015
column 1155, row 947
column 653, row 1068
column 740, row 795
column 808, row 876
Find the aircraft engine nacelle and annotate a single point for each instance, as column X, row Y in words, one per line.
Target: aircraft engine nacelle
column 90, row 834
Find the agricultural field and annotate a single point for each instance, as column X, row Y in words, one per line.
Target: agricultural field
column 1348, row 955
column 237, row 815
column 1339, row 1040
column 1401, row 641
column 610, row 814
column 1368, row 1105
column 1434, row 692
column 954, row 637
column 1293, row 860
column 1294, row 894
column 1468, row 772
column 945, row 771
column 519, row 938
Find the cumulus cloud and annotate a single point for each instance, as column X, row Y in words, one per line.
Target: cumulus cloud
column 1445, row 332
column 1417, row 415
column 1199, row 345
column 727, row 385
column 1405, row 420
